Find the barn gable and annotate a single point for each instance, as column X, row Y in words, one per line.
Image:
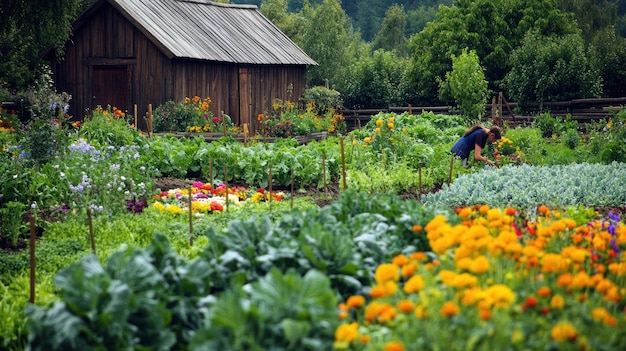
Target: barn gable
column 140, row 52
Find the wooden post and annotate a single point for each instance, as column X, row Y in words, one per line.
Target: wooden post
column 270, row 188
column 451, row 166
column 245, row 134
column 226, row 186
column 292, row 181
column 211, row 172
column 190, row 216
column 224, row 123
column 410, row 109
column 150, row 130
column 324, row 172
column 91, row 236
column 419, row 172
column 32, row 256
column 135, row 116
column 343, row 164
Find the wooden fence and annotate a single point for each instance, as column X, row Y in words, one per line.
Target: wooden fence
column 501, row 111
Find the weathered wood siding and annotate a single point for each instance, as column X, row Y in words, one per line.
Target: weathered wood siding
column 108, row 39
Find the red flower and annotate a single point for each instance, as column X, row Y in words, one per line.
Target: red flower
column 531, row 302
column 215, row 206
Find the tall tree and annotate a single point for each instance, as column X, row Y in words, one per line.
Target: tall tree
column 391, row 35
column 491, row 27
column 592, row 15
column 27, row 28
column 325, row 38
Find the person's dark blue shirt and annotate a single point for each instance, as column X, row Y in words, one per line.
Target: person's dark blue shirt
column 466, row 144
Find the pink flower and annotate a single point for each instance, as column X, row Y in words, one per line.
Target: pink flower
column 216, row 119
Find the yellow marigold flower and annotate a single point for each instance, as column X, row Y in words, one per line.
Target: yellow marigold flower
column 347, row 332
column 387, row 272
column 479, row 265
column 159, row 206
column 391, row 119
column 463, row 263
column 501, row 295
column 557, row 302
column 400, row 260
column 405, row 306
column 581, row 280
column 558, row 226
column 187, row 100
column 394, row 346
column 390, row 125
column 471, row 296
column 464, row 281
column 564, row 331
column 414, row 284
column 449, row 309
column 377, row 130
column 355, row 301
column 367, row 140
column 494, row 214
column 355, row 143
column 379, row 122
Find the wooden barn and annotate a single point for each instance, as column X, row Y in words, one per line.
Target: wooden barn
column 138, row 52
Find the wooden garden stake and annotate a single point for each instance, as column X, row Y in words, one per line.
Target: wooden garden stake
column 91, row 236
column 190, row 218
column 343, row 164
column 32, row 256
column 292, row 181
column 211, row 172
column 150, row 130
column 419, row 171
column 270, row 188
column 245, row 134
column 451, row 166
column 135, row 116
column 226, row 186
column 224, row 122
column 324, row 172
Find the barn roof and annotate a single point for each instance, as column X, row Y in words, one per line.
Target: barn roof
column 205, row 30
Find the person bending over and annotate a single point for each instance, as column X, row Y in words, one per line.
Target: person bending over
column 475, row 139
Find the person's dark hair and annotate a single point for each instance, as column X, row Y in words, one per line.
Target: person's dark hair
column 494, row 129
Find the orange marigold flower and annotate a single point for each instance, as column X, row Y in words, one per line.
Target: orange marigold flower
column 449, row 309
column 355, row 301
column 543, row 209
column 377, row 291
column 419, row 256
column 416, row 228
column 464, row 212
column 510, row 211
column 400, row 260
column 364, row 339
column 544, row 291
column 405, row 306
column 484, row 209
column 409, row 269
column 484, row 314
column 394, row 346
column 564, row 280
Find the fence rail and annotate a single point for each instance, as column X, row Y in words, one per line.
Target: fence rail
column 501, row 111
